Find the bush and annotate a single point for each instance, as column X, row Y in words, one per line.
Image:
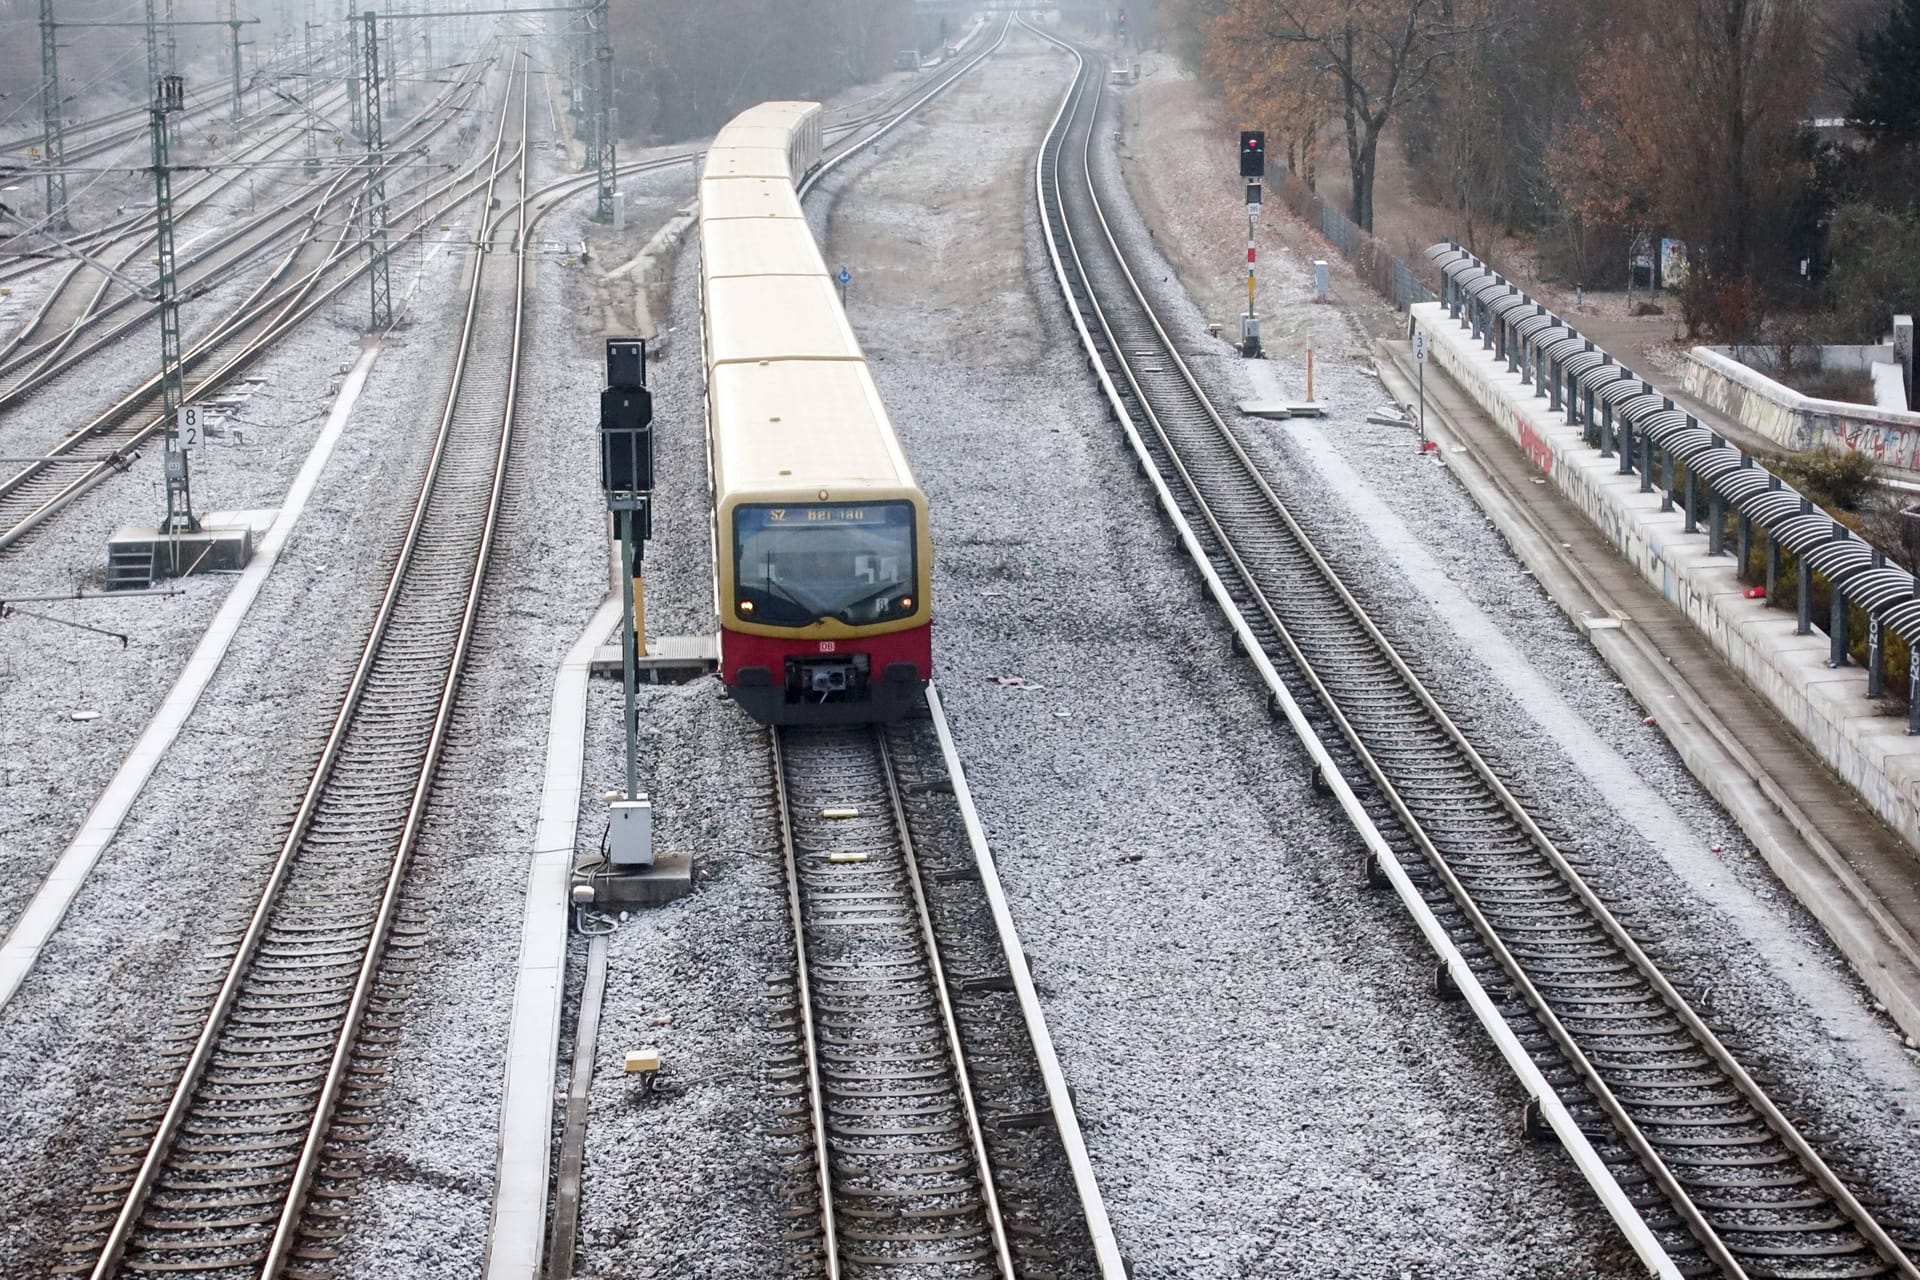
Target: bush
column 1876, row 269
column 1730, row 312
column 1837, row 480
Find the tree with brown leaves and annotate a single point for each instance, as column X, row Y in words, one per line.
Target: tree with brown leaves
column 1692, row 125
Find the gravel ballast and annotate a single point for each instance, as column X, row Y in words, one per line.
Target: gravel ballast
column 1436, row 575
column 1267, row 1085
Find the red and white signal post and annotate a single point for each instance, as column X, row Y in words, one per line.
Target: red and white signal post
column 1253, row 167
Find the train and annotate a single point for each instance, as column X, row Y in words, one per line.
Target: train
column 822, row 553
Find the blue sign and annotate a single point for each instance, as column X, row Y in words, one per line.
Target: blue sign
column 845, row 276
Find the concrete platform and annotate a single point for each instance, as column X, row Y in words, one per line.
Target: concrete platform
column 669, row 880
column 1858, row 877
column 668, row 659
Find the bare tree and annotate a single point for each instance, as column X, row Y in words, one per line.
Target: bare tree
column 1367, row 58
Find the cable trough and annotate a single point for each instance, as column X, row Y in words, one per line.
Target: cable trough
column 1724, row 1180
column 244, row 1155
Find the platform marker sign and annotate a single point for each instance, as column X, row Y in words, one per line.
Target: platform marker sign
column 1420, row 363
column 188, row 430
column 845, row 277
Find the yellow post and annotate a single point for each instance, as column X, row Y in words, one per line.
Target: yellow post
column 1309, row 370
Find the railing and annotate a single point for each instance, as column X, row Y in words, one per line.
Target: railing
column 1371, row 259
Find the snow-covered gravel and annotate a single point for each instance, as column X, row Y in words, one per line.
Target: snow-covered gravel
column 82, row 1024
column 1438, row 577
column 1268, row 1086
column 52, row 766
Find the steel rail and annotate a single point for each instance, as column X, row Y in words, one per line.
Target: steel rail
column 976, row 1135
column 827, row 166
column 136, row 1198
column 1870, row 1231
column 809, row 1036
column 1093, row 1209
column 230, row 250
column 911, row 901
column 137, row 132
column 82, row 484
column 197, row 191
column 291, row 312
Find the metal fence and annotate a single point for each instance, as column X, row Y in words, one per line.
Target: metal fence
column 1371, row 258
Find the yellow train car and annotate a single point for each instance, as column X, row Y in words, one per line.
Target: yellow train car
column 822, row 554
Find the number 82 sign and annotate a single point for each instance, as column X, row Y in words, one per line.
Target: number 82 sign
column 189, row 428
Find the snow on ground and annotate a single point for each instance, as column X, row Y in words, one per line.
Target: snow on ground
column 52, row 766
column 87, row 1019
column 1267, row 1084
column 1434, row 572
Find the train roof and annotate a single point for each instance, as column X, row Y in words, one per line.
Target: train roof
column 759, row 247
column 752, row 318
column 788, row 429
column 747, row 162
column 781, row 116
column 722, row 198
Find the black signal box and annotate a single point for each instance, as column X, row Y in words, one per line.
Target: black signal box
column 626, row 362
column 1253, row 153
column 626, row 439
column 626, row 426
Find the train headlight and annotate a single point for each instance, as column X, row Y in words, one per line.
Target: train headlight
column 746, row 606
column 905, row 604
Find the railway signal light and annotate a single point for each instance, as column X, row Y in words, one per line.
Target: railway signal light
column 1253, row 153
column 626, row 428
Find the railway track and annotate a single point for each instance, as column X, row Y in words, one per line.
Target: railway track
column 130, row 127
column 79, row 303
column 1726, row 1182
column 106, row 445
column 925, row 1139
column 244, row 1155
column 311, row 275
column 899, row 1154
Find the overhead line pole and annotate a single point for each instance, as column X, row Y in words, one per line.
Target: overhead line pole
column 603, row 116
column 233, row 23
column 169, row 97
column 154, row 71
column 54, row 142
column 354, row 76
column 379, row 279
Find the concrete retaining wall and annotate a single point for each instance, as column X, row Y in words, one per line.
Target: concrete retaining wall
column 1834, row 359
column 1797, row 422
column 1870, row 751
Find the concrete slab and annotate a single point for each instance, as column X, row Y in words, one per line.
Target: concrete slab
column 668, row 659
column 1859, row 878
column 669, row 880
column 517, row 1234
column 1265, row 409
column 44, row 912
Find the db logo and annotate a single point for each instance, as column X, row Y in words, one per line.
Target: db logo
column 826, row 646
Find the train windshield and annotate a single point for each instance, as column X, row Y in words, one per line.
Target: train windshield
column 851, row 562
